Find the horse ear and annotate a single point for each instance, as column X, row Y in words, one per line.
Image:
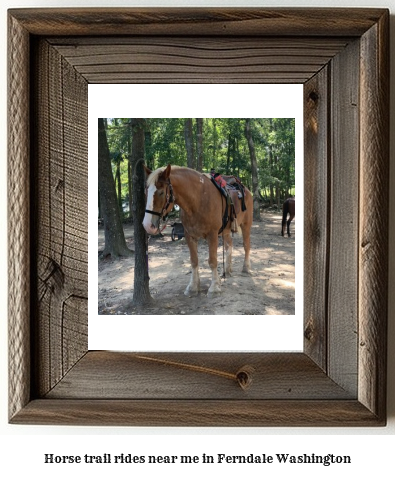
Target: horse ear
column 166, row 172
column 147, row 170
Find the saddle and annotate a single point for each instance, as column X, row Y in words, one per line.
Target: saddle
column 233, row 191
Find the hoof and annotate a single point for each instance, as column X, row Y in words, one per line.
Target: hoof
column 246, row 272
column 191, row 293
column 214, row 289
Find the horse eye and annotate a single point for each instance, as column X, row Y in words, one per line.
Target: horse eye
column 161, row 193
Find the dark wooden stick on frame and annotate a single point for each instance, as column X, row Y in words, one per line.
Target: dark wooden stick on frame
column 341, row 56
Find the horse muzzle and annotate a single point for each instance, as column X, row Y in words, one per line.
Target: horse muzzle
column 151, row 224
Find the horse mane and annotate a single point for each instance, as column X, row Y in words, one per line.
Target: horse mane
column 153, row 177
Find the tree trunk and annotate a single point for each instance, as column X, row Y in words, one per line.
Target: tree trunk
column 271, row 166
column 215, row 144
column 188, row 134
column 99, row 209
column 254, row 170
column 199, row 143
column 149, row 154
column 141, row 293
column 271, row 199
column 237, row 156
column 115, row 244
column 119, row 187
column 130, row 179
column 229, row 152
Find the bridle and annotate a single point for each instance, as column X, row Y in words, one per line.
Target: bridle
column 169, row 200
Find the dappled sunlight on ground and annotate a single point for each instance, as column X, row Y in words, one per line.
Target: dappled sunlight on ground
column 269, row 290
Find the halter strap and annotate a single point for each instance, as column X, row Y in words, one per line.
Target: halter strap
column 154, row 213
column 169, row 200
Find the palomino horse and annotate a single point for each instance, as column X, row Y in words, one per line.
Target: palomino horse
column 202, row 210
column 288, row 208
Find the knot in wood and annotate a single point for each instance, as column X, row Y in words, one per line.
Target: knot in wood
column 313, row 96
column 308, row 332
column 244, row 376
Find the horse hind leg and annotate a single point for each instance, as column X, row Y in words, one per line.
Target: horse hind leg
column 284, row 221
column 289, row 225
column 228, row 243
column 246, row 229
column 193, row 287
column 215, row 286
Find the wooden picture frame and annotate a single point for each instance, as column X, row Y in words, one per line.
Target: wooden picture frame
column 342, row 58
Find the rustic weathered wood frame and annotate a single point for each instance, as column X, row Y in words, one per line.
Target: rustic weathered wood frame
column 342, row 57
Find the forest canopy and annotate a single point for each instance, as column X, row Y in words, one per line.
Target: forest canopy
column 260, row 151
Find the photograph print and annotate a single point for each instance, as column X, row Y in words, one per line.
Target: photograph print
column 196, row 216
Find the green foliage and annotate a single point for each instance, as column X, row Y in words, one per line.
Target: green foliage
column 119, row 143
column 224, row 148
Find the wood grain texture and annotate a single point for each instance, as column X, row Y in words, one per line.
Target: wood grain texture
column 61, row 232
column 18, row 214
column 197, row 59
column 316, row 214
column 202, row 413
column 344, row 196
column 259, row 22
column 196, row 376
column 348, row 307
column 374, row 217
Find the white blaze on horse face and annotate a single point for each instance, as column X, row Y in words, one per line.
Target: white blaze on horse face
column 148, row 218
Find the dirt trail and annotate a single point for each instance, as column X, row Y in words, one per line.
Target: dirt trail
column 269, row 290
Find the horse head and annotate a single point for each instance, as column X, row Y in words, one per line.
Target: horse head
column 159, row 198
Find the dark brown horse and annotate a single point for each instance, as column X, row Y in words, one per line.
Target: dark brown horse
column 288, row 208
column 202, row 212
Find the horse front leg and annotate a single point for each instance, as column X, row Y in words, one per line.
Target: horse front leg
column 215, row 287
column 193, row 287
